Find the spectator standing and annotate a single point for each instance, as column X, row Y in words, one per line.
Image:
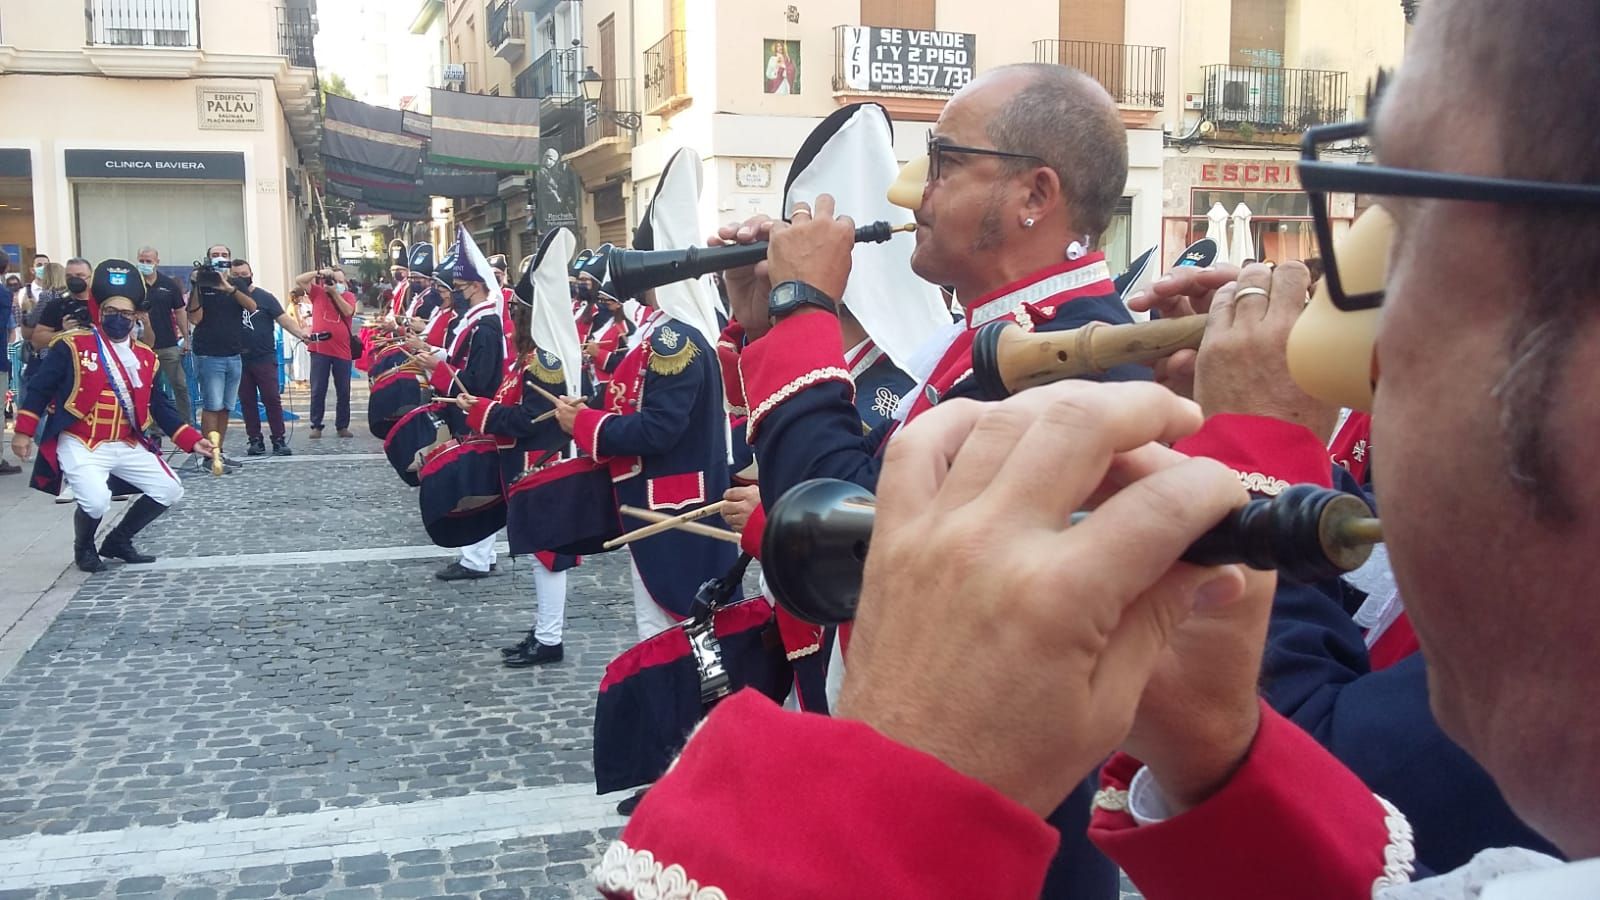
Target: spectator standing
column 215, row 305
column 56, row 309
column 8, row 327
column 294, row 345
column 259, row 378
column 332, row 307
column 166, row 328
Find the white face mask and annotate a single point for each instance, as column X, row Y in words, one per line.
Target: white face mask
column 146, row 269
column 38, row 272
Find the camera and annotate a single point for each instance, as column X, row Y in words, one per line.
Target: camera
column 205, row 276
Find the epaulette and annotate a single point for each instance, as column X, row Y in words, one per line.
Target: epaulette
column 671, row 351
column 546, row 367
column 70, row 333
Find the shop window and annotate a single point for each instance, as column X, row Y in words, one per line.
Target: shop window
column 16, row 222
column 116, row 218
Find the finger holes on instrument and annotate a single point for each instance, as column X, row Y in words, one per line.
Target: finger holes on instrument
column 1061, row 355
column 859, row 551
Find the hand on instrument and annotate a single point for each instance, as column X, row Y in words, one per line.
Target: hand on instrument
column 1182, row 291
column 1034, row 634
column 205, row 448
column 464, row 401
column 592, row 350
column 748, row 288
column 567, row 412
column 1243, row 363
column 739, row 504
column 813, row 247
column 22, row 446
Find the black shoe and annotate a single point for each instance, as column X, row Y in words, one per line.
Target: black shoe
column 280, row 447
column 519, row 647
column 257, row 447
column 119, row 543
column 83, row 542
column 542, row 654
column 629, row 804
column 457, row 572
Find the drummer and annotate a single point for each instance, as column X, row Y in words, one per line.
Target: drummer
column 517, row 417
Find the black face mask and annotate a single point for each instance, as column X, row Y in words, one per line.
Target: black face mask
column 459, row 299
column 585, row 291
column 117, row 326
column 76, row 285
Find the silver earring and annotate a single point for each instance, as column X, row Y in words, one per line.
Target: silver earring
column 1028, row 222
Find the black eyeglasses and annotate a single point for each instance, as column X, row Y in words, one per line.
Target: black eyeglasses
column 937, row 148
column 1319, row 178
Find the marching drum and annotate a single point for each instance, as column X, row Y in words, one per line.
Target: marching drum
column 385, row 359
column 416, row 432
column 394, row 393
column 566, row 508
column 462, row 497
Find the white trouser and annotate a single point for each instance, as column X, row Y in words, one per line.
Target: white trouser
column 647, row 613
column 550, row 589
column 480, row 556
column 86, row 472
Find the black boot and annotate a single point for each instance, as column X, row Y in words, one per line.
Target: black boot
column 535, row 654
column 83, row 544
column 257, row 447
column 119, row 543
column 280, row 447
column 520, row 647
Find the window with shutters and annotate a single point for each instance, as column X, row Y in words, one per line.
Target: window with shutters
column 1099, row 21
column 898, row 13
column 1256, row 32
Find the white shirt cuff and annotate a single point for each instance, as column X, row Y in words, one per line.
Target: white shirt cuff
column 1146, row 802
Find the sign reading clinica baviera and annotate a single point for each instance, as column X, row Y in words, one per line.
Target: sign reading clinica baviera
column 228, row 109
column 196, row 165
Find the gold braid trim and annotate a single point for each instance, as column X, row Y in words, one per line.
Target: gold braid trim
column 672, row 364
column 545, row 373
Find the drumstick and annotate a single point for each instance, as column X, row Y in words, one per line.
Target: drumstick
column 454, row 378
column 663, row 522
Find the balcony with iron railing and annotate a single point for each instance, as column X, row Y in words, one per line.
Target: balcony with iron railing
column 553, row 77
column 507, row 30
column 296, row 29
column 605, row 147
column 666, row 84
column 1276, row 103
column 142, row 23
column 1134, row 74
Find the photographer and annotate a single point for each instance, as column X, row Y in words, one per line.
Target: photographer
column 332, row 306
column 260, row 364
column 62, row 311
column 214, row 308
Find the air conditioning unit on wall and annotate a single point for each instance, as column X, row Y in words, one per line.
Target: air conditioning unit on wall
column 1244, row 94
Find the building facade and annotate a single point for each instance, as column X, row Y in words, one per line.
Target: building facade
column 1215, row 94
column 173, row 123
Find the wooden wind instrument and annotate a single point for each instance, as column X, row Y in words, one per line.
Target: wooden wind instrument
column 216, row 453
column 1007, row 359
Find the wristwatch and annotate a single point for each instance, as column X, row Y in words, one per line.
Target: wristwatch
column 788, row 296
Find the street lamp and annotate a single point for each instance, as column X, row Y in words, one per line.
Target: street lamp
column 592, row 86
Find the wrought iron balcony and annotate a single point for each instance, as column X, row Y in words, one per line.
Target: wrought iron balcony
column 507, row 30
column 665, row 79
column 1260, row 98
column 1134, row 74
column 553, row 76
column 142, row 23
column 296, row 28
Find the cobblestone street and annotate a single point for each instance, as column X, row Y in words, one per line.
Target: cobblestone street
column 288, row 704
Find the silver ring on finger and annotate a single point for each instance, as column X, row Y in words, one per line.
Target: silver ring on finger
column 1249, row 292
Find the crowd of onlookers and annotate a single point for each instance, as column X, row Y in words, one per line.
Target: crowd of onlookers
column 214, row 335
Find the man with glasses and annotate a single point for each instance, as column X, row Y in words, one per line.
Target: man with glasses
column 1483, row 415
column 99, row 382
column 1025, row 168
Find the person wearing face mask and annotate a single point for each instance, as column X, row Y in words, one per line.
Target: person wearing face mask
column 99, row 382
column 168, row 327
column 8, row 325
column 261, row 363
column 332, row 307
column 214, row 310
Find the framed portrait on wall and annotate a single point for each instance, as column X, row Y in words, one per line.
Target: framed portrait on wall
column 782, row 72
